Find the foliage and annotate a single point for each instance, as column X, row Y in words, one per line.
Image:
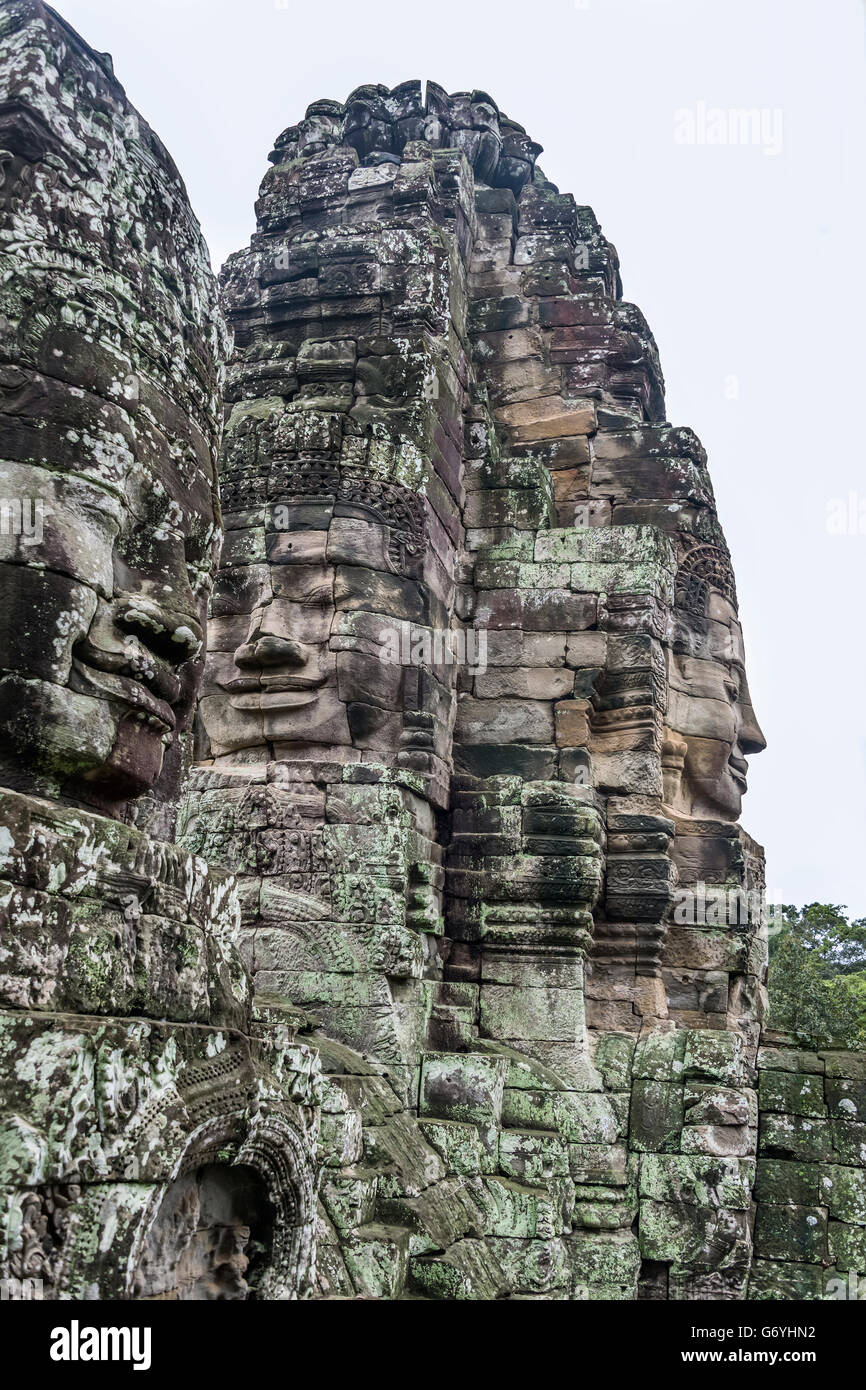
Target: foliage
column 817, row 979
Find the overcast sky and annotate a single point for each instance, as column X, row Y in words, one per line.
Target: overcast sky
column 748, row 260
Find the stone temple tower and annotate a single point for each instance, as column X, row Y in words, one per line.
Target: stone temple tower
column 452, row 985
column 475, row 703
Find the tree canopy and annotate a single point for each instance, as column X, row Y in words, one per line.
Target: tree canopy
column 817, row 982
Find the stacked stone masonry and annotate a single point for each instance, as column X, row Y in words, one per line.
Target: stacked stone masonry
column 342, row 952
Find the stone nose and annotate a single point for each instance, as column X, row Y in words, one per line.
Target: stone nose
column 173, row 636
column 269, row 650
column 751, row 738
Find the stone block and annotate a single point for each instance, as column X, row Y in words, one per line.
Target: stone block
column 792, row 1093
column 467, row 1087
column 787, row 1182
column 613, row 1058
column 692, row 1237
column 467, row 1270
column 605, row 1260
column 656, row 1118
column 511, row 1012
column 532, row 1266
column 798, row 1234
column 719, row 1105
column 795, row 1137
column 789, row 1059
column 770, row 1280
column 847, row 1246
column 713, row 1056
column 720, row 1140
column 457, row 1143
column 845, row 1193
column 660, row 1056
column 532, row 1156
column 846, row 1098
column 698, row 1181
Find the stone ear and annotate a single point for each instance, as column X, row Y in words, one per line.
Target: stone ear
column 201, row 742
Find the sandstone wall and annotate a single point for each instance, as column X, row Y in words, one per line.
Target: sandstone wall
column 810, row 1233
column 586, row 1124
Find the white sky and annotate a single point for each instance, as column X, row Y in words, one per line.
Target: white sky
column 748, row 266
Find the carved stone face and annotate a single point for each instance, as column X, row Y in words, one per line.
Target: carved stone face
column 297, row 637
column 476, row 131
column 108, row 427
column 367, row 123
column 208, row 1238
column 712, row 728
column 103, row 626
column 407, row 113
column 317, row 132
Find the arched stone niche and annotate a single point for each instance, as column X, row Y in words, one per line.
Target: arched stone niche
column 234, row 1222
column 211, row 1239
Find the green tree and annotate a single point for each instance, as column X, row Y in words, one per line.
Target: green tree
column 817, row 982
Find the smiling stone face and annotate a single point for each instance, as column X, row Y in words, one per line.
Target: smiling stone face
column 109, row 422
column 711, row 727
column 103, row 634
column 302, row 612
column 119, row 949
column 270, row 676
column 710, row 709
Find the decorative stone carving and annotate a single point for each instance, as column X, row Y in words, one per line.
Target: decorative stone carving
column 110, row 397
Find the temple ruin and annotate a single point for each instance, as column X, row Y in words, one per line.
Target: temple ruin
column 373, row 714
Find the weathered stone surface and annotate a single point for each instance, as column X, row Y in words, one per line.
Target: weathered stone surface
column 696, row 1237
column 472, row 737
column 792, row 1093
column 656, row 1119
column 698, row 1181
column 791, row 1233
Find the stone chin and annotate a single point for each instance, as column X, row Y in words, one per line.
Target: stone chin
column 718, row 800
column 713, row 780
column 704, row 778
column 322, row 721
column 63, row 741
